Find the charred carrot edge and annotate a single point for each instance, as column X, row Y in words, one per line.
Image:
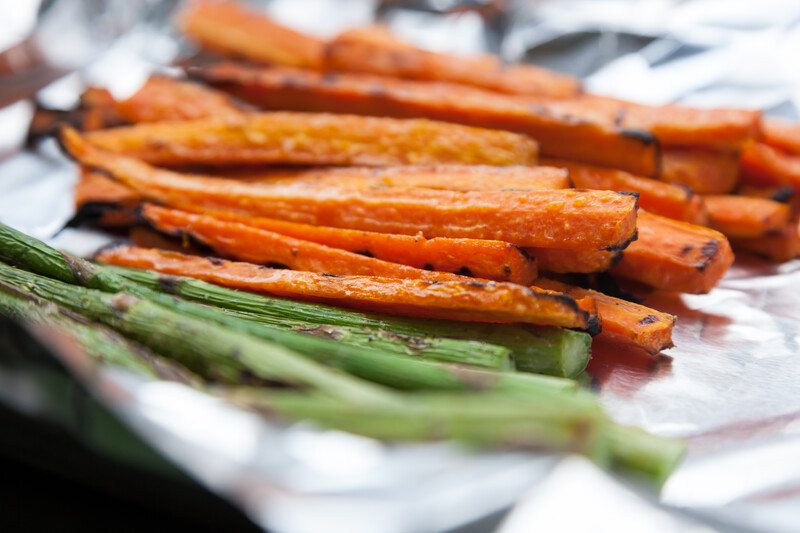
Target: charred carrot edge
column 230, row 28
column 103, row 201
column 781, row 134
column 779, row 246
column 743, row 217
column 665, row 199
column 494, row 260
column 558, row 218
column 621, row 320
column 471, row 300
column 764, row 165
column 702, row 171
column 777, row 193
column 316, row 139
column 562, row 261
column 162, row 98
column 559, row 135
column 377, row 51
column 254, row 245
column 675, row 256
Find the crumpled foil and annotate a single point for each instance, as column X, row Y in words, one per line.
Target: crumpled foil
column 731, row 386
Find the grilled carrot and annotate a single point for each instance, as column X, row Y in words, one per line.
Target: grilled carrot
column 779, row 246
column 563, row 261
column 162, row 98
column 702, row 171
column 494, row 260
column 254, row 245
column 675, row 256
column 104, row 201
column 777, row 193
column 743, row 217
column 559, row 135
column 557, row 218
column 781, row 134
column 665, row 199
column 762, row 164
column 375, row 50
column 623, row 321
column 472, row 301
column 229, row 28
column 316, row 139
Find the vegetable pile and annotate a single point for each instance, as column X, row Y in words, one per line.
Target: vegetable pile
column 397, row 242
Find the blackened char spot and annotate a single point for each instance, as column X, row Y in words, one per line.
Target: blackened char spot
column 329, row 275
column 782, row 195
column 365, row 253
column 478, row 284
column 506, row 270
column 686, row 249
column 649, row 319
column 168, row 284
column 464, row 271
column 428, row 266
column 625, row 244
column 645, row 137
column 708, row 251
column 216, row 261
column 276, row 265
column 523, row 251
column 632, row 193
column 593, row 325
column 616, row 258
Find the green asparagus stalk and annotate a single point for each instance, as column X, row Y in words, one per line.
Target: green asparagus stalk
column 396, row 371
column 41, row 259
column 552, row 351
column 102, row 344
column 644, row 456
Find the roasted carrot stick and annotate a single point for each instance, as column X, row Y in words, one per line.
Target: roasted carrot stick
column 762, row 164
column 665, row 199
column 623, row 321
column 743, row 217
column 316, row 139
column 702, row 171
column 162, row 98
column 777, row 193
column 230, row 28
column 779, row 246
column 104, row 201
column 559, row 135
column 557, row 218
column 675, row 256
column 473, row 301
column 254, row 245
column 376, row 51
column 563, row 261
column 781, row 134
column 495, row 260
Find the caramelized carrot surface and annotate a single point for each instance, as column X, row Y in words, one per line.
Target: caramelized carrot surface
column 316, row 139
column 557, row 218
column 665, row 199
column 779, row 246
column 781, row 134
column 162, row 98
column 493, row 260
column 574, row 261
column 702, row 171
column 762, row 164
column 559, row 135
column 376, row 51
column 743, row 217
column 469, row 300
column 623, row 321
column 230, row 28
column 254, row 245
column 106, row 202
column 675, row 256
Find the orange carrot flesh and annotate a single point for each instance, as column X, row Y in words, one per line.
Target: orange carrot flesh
column 623, row 321
column 562, row 261
column 471, row 300
column 558, row 218
column 494, row 260
column 762, row 164
column 229, row 28
column 779, row 246
column 559, row 135
column 743, row 217
column 316, row 139
column 702, row 171
column 254, row 245
column 162, row 98
column 376, row 51
column 781, row 134
column 104, row 201
column 665, row 199
column 675, row 256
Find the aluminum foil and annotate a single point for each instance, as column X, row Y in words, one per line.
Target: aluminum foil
column 731, row 386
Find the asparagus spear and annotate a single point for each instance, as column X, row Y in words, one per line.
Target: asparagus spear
column 553, row 351
column 99, row 342
column 35, row 256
